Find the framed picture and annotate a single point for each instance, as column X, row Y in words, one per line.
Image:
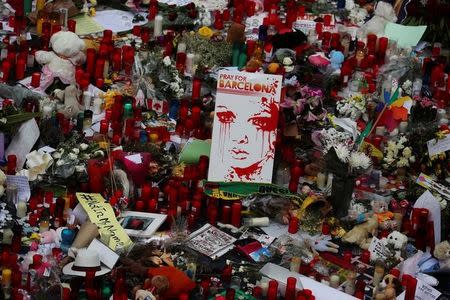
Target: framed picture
column 141, row 224
column 245, row 126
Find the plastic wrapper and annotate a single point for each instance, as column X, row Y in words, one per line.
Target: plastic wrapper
column 277, row 208
column 18, row 93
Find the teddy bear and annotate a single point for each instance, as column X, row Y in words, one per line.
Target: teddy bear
column 388, row 288
column 384, row 13
column 336, row 60
column 398, row 242
column 442, row 253
column 359, row 234
column 70, row 97
column 61, row 62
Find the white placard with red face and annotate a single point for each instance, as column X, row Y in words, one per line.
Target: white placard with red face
column 245, row 126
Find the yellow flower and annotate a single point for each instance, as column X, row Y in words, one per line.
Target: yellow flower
column 206, row 32
column 273, row 68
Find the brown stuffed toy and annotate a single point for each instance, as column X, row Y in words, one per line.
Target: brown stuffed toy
column 236, row 33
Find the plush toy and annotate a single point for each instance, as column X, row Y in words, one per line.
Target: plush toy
column 388, row 289
column 359, row 234
column 61, row 62
column 442, row 253
column 70, row 97
column 2, row 182
column 236, row 33
column 381, row 211
column 384, row 13
column 398, row 241
column 336, row 60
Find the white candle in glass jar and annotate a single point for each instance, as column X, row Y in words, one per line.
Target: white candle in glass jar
column 157, row 29
column 190, row 63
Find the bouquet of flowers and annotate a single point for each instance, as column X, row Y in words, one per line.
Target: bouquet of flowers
column 307, row 104
column 72, row 155
column 353, row 107
column 345, row 162
column 397, row 154
column 157, row 76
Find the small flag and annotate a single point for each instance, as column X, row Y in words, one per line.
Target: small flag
column 365, row 132
column 159, row 106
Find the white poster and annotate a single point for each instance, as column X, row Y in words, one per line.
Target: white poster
column 245, row 124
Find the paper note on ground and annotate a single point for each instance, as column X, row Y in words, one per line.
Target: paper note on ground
column 193, row 150
column 23, row 141
column 22, row 184
column 86, row 25
column 439, row 146
column 406, row 36
column 117, row 20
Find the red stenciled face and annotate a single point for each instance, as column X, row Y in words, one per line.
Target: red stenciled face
column 247, row 135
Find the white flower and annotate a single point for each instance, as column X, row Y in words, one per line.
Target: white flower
column 443, row 204
column 174, row 87
column 287, row 61
column 359, row 160
column 407, row 152
column 60, row 162
column 75, row 150
column 412, row 159
column 167, row 62
column 83, row 146
column 342, row 152
column 56, row 155
column 80, row 168
column 98, row 153
column 72, row 156
column 402, row 162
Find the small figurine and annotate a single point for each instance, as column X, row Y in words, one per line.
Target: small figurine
column 336, row 60
column 360, row 233
column 442, row 253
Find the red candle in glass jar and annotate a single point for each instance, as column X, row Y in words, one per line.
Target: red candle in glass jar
column 293, row 225
column 136, row 31
column 272, row 291
column 250, row 9
column 195, row 115
column 226, row 15
column 99, row 82
column 117, row 60
column 6, row 69
column 99, row 67
column 46, row 28
column 218, row 20
column 145, row 34
column 139, row 205
column 365, row 256
column 226, row 213
column 371, row 43
column 20, row 69
column 56, row 28
column 327, row 20
column 107, row 36
column 236, row 208
column 152, row 12
column 290, row 288
column 382, row 46
column 152, row 205
column 71, row 25
column 90, row 60
column 196, row 88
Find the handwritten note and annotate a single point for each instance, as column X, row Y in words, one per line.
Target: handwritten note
column 439, row 146
column 377, row 249
column 423, row 292
column 22, row 184
column 23, row 141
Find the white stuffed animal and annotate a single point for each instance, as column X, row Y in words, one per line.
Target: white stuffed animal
column 66, row 55
column 384, row 13
column 70, row 97
column 398, row 240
